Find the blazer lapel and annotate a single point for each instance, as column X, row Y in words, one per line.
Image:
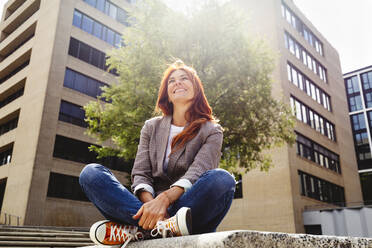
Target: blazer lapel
column 162, row 136
column 173, row 159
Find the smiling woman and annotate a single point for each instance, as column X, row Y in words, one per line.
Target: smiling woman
column 175, row 172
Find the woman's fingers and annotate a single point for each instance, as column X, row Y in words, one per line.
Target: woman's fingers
column 138, row 214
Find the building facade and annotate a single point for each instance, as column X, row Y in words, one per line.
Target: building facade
column 320, row 169
column 53, row 62
column 358, row 85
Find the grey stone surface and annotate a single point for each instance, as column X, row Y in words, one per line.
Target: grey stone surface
column 253, row 239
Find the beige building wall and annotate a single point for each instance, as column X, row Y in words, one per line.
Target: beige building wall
column 32, row 159
column 271, row 201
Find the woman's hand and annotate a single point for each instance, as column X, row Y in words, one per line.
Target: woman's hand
column 152, row 211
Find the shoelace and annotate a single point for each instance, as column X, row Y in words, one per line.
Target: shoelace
column 161, row 229
column 122, row 232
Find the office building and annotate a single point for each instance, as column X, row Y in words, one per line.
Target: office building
column 52, row 62
column 319, row 171
column 358, row 85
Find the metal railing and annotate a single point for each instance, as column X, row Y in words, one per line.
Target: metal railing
column 337, row 205
column 9, row 219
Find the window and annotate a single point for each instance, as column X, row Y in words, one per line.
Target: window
column 77, row 19
column 6, row 154
column 352, row 85
column 296, row 23
column 296, row 49
column 95, row 28
column 82, row 83
column 11, row 97
column 366, row 80
column 88, row 54
column 65, row 187
column 308, row 116
column 312, row 90
column 358, row 122
column 8, row 126
column 355, row 103
column 321, row 190
column 78, row 151
column 87, row 24
column 110, row 9
column 72, row 113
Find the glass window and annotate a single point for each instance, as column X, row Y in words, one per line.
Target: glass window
column 318, row 96
column 122, row 16
column 304, row 57
column 74, row 47
column 289, row 72
column 113, row 11
column 308, row 89
column 81, row 82
column 97, row 31
column 300, row 81
column 96, row 57
column 358, row 122
column 311, row 116
column 91, row 2
column 107, row 8
column 309, row 61
column 110, row 36
column 298, row 110
column 84, row 52
column 69, row 79
column 77, row 19
column 104, row 32
column 313, row 93
column 291, row 45
column 366, row 80
column 316, row 121
column 92, row 87
column 304, row 117
column 297, row 48
column 87, row 24
column 368, row 99
column 117, row 40
column 288, row 15
column 294, row 77
column 101, row 5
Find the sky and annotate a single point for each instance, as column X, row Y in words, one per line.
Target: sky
column 346, row 24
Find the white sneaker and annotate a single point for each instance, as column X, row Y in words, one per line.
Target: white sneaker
column 178, row 225
column 111, row 233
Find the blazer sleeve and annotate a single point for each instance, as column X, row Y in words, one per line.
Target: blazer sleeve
column 208, row 157
column 142, row 172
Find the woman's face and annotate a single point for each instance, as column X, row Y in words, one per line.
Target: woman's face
column 180, row 87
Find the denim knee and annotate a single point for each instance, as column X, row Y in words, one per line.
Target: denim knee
column 222, row 180
column 89, row 173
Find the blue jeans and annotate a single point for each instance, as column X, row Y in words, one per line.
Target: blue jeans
column 209, row 198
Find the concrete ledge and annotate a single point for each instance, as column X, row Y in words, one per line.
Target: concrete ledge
column 253, row 239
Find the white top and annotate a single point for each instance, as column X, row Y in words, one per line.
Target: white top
column 183, row 183
column 174, row 131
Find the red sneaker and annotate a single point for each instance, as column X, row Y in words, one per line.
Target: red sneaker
column 111, row 233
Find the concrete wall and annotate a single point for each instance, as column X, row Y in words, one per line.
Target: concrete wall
column 355, row 222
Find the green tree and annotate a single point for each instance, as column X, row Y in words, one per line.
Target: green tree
column 234, row 67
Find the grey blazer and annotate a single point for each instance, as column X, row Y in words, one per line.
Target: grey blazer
column 199, row 155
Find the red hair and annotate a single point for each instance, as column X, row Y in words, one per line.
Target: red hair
column 198, row 113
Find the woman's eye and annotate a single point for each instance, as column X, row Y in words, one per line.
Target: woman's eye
column 185, row 78
column 170, row 81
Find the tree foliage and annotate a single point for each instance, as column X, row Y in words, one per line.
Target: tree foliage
column 234, row 67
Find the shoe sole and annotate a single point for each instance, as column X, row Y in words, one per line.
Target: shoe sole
column 184, row 221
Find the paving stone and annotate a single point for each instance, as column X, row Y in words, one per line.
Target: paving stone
column 253, row 239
